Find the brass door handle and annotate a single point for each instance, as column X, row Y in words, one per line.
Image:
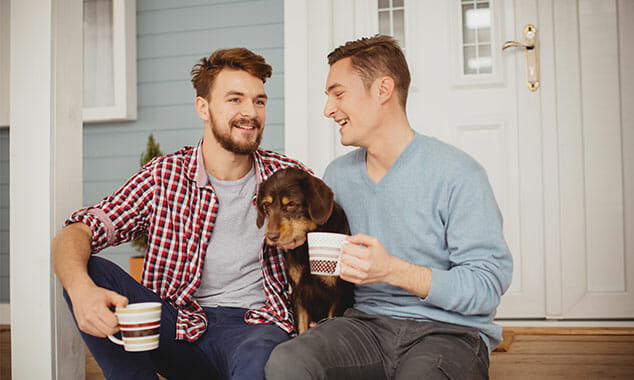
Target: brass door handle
column 531, row 55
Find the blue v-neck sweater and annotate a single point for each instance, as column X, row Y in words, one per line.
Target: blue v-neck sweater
column 433, row 208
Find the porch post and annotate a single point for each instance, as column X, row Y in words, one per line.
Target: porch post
column 45, row 181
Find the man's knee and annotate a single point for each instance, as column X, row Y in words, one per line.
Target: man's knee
column 288, row 361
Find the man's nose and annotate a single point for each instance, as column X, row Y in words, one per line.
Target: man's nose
column 247, row 109
column 329, row 109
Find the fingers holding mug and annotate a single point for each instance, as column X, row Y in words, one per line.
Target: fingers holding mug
column 140, row 325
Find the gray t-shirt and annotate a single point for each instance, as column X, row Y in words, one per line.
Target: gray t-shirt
column 232, row 275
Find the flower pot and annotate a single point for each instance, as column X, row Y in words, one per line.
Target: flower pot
column 136, row 267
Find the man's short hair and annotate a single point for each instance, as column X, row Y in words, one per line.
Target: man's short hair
column 373, row 57
column 205, row 72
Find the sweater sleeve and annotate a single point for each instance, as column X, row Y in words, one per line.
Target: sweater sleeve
column 481, row 265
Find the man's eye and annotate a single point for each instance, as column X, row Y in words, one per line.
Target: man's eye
column 260, row 102
column 234, row 100
column 338, row 95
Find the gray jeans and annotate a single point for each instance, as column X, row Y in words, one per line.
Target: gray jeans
column 363, row 346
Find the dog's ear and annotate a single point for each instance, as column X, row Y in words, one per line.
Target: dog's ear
column 258, row 205
column 319, row 200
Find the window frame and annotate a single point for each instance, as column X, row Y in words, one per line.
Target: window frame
column 124, row 67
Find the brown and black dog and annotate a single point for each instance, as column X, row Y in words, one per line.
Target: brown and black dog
column 295, row 203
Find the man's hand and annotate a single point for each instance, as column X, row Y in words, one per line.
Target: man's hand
column 91, row 307
column 365, row 260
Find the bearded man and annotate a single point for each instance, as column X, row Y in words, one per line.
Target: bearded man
column 222, row 293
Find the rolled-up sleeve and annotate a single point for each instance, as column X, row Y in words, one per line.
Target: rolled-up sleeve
column 122, row 216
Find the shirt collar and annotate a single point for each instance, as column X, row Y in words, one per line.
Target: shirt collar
column 198, row 173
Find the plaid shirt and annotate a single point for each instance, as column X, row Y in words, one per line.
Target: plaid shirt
column 171, row 200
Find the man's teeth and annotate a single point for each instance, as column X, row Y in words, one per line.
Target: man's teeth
column 343, row 122
column 248, row 127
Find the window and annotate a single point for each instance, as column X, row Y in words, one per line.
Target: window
column 109, row 60
column 476, row 37
column 392, row 19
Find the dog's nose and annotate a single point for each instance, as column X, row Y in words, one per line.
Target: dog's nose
column 273, row 236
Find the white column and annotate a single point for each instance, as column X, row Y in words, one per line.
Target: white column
column 45, row 181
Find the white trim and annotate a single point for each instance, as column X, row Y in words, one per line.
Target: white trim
column 4, row 62
column 563, row 323
column 311, row 30
column 296, row 77
column 5, row 314
column 124, row 69
column 46, row 66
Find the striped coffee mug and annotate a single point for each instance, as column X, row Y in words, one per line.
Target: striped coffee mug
column 324, row 252
column 140, row 325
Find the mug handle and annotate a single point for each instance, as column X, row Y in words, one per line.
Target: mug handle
column 116, row 340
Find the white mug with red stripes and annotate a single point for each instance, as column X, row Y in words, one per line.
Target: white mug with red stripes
column 324, row 252
column 140, row 324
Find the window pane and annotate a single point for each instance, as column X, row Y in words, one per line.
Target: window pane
column 384, row 4
column 384, row 23
column 397, row 3
column 399, row 27
column 484, row 59
column 98, row 54
column 476, row 35
column 484, row 35
column 468, row 33
column 470, row 60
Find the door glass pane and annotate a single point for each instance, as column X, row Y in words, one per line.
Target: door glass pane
column 397, row 3
column 484, row 59
column 384, row 4
column 476, row 30
column 468, row 34
column 470, row 57
column 384, row 23
column 399, row 25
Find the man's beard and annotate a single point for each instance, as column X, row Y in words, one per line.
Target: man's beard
column 225, row 140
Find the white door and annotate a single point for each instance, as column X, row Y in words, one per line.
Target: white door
column 558, row 158
column 468, row 93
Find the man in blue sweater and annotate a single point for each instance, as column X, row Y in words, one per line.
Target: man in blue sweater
column 427, row 253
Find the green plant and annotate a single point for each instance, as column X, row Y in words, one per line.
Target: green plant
column 152, row 150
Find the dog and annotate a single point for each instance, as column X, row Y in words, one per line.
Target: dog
column 293, row 202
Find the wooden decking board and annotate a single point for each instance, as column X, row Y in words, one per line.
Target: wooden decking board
column 534, row 353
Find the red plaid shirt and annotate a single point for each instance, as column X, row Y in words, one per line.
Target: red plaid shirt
column 171, row 200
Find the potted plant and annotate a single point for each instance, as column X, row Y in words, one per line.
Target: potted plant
column 140, row 243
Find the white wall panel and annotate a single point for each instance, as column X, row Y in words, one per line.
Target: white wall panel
column 602, row 144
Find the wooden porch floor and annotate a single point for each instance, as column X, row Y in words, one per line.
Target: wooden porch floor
column 527, row 353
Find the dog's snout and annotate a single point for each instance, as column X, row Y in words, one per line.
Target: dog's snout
column 273, row 236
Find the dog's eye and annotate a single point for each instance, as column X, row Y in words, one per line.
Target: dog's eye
column 290, row 206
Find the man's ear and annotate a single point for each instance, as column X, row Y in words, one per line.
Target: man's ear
column 384, row 89
column 202, row 107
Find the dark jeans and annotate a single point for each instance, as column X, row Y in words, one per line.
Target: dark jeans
column 229, row 349
column 362, row 346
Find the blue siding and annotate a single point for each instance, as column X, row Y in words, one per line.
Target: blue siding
column 171, row 38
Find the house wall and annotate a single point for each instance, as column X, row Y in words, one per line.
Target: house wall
column 171, row 38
